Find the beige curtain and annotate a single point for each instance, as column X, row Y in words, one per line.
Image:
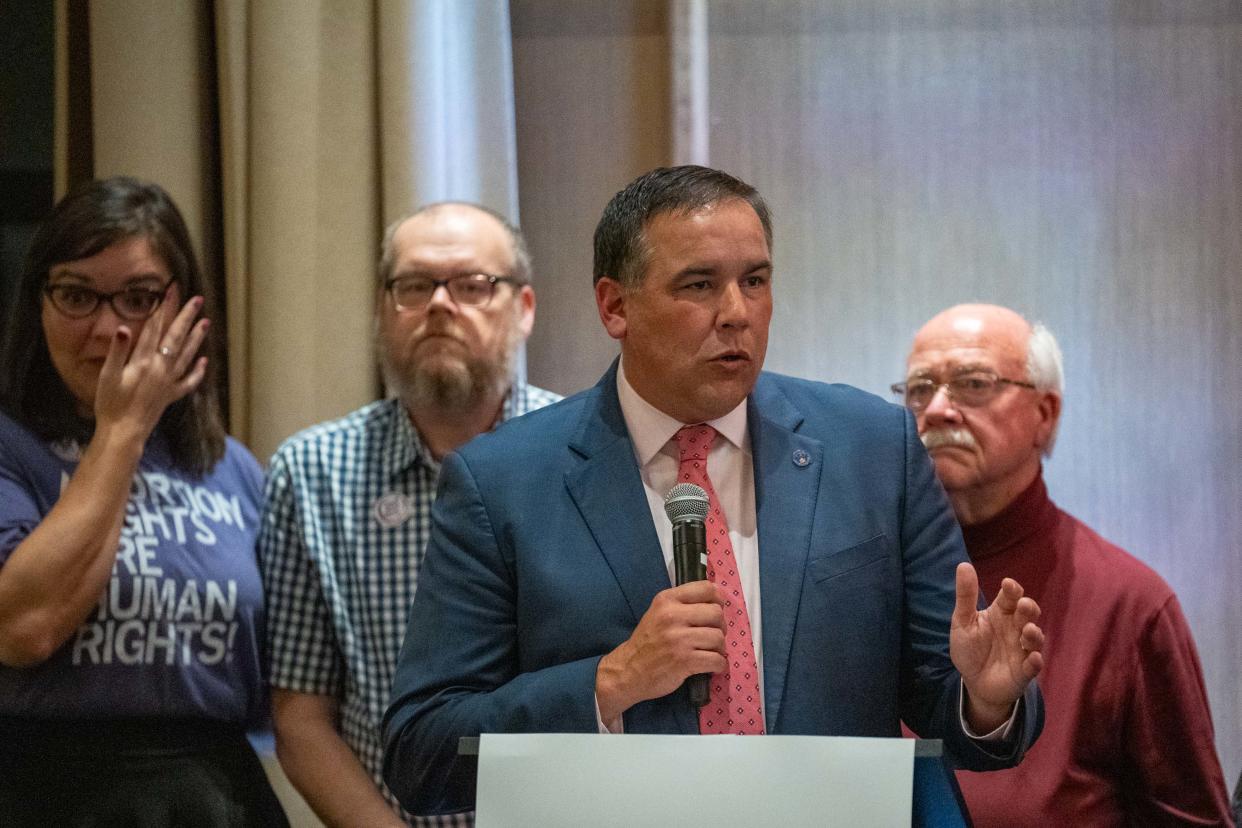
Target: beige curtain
column 290, row 132
column 301, row 218
column 446, row 105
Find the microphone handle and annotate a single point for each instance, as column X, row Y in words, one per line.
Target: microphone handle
column 699, row 690
column 690, row 564
column 689, row 551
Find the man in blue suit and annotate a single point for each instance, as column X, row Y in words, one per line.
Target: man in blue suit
column 547, row 606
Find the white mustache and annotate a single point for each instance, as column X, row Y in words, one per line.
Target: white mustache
column 960, row 437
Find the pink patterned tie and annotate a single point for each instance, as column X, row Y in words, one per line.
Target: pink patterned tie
column 734, row 703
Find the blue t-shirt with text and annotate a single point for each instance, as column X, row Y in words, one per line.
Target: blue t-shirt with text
column 177, row 630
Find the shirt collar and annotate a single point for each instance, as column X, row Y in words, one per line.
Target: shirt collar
column 516, row 403
column 404, row 445
column 651, row 429
column 1031, row 514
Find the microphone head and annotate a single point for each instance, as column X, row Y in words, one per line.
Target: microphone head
column 686, row 501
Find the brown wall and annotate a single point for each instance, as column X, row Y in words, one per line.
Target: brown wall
column 592, row 103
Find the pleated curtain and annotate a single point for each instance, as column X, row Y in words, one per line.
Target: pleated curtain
column 291, row 132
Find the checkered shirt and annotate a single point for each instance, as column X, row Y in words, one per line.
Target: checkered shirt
column 344, row 529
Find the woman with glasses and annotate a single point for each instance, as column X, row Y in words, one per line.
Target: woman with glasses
column 131, row 608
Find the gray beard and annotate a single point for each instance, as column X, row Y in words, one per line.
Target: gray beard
column 453, row 388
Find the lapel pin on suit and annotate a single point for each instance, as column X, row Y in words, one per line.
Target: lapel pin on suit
column 801, row 459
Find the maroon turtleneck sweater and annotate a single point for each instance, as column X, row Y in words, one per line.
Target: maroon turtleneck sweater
column 1128, row 736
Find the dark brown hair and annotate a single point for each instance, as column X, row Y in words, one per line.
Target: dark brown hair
column 620, row 244
column 84, row 223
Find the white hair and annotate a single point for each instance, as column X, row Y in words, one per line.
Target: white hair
column 1045, row 371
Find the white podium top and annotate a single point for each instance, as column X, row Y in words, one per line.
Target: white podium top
column 571, row 779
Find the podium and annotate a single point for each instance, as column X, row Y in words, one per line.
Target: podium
column 550, row 780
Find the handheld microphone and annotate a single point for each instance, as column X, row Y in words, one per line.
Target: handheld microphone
column 686, row 506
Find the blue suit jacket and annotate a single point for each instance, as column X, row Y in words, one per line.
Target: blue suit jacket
column 543, row 557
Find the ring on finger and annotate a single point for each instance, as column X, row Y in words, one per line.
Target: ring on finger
column 165, row 351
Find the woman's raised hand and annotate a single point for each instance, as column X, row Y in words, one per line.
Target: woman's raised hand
column 141, row 378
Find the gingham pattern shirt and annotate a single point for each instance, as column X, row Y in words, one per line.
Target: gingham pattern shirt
column 344, row 529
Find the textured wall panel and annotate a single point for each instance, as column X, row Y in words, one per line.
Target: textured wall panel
column 1080, row 162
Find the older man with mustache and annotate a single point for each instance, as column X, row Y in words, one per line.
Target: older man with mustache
column 1128, row 740
column 349, row 502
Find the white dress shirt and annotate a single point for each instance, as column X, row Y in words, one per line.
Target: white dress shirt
column 732, row 472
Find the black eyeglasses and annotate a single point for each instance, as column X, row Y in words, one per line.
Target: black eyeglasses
column 470, row 290
column 971, row 389
column 132, row 304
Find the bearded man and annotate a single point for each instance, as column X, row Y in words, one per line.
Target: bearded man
column 348, row 505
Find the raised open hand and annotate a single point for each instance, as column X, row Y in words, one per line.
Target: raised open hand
column 998, row 651
column 141, row 378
